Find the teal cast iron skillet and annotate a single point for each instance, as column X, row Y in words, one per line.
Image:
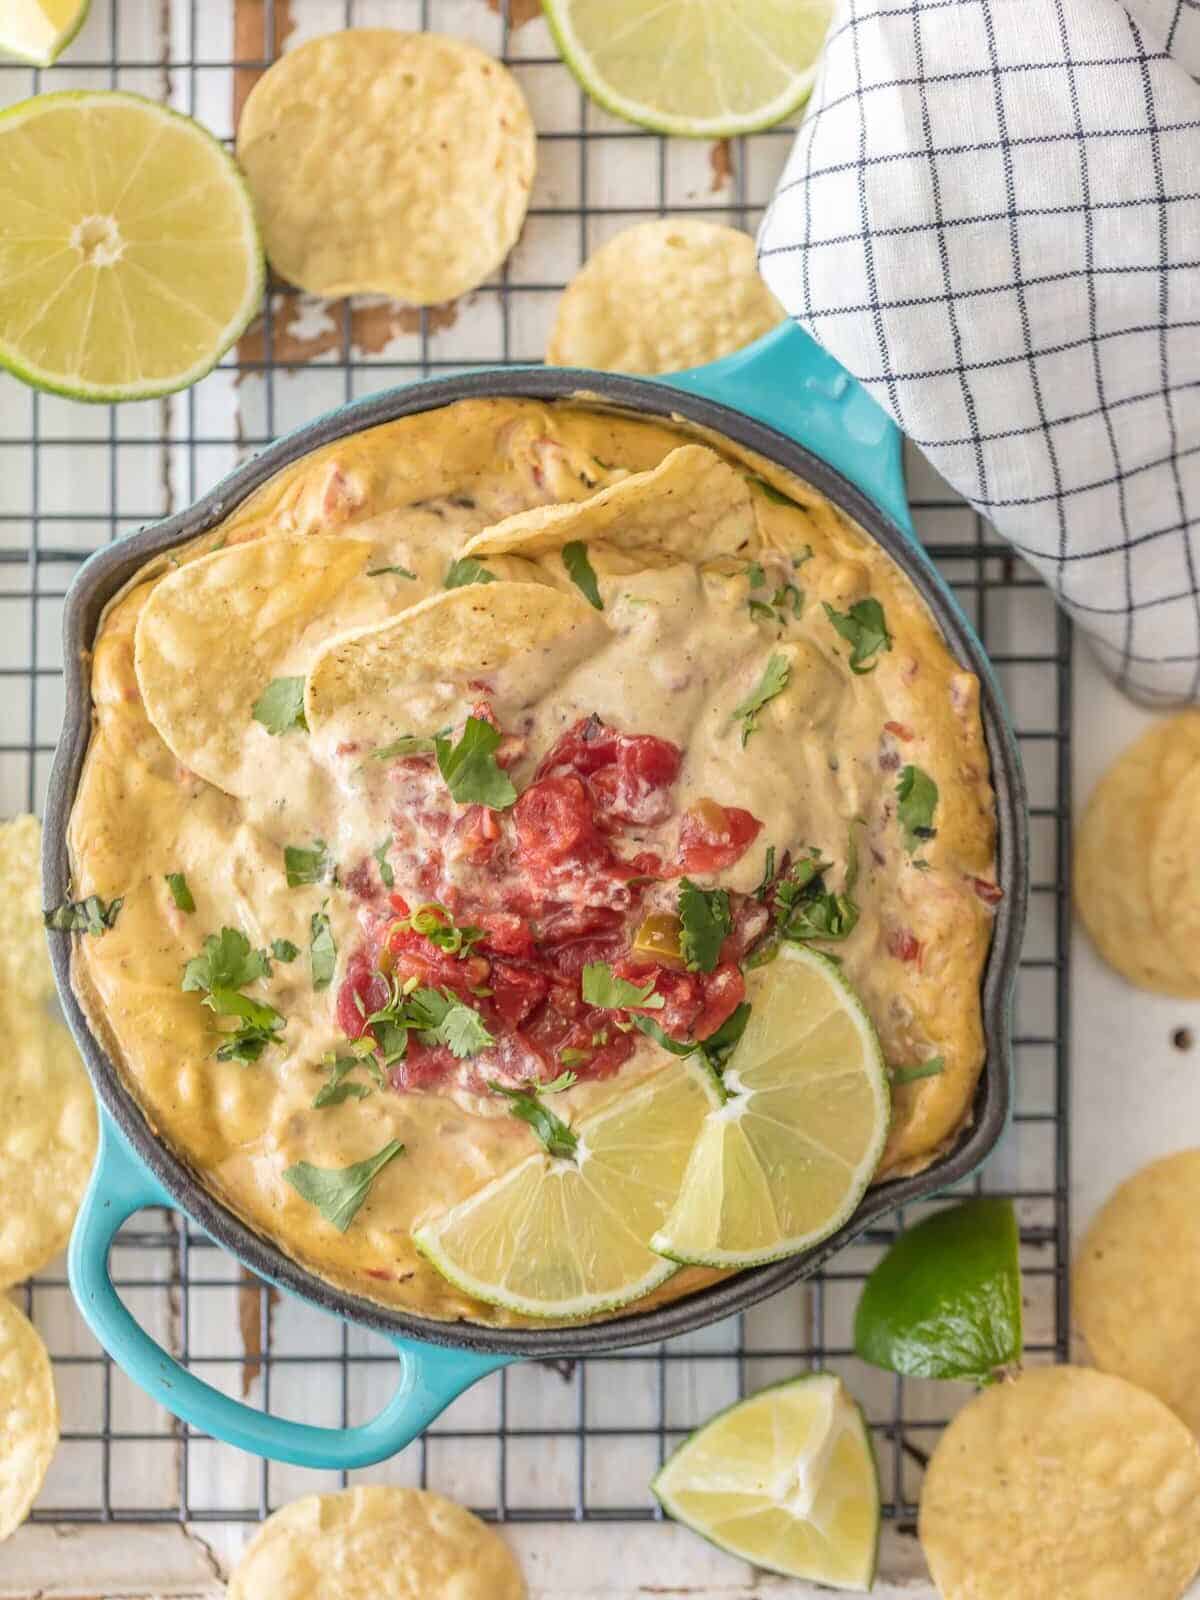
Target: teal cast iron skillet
column 788, row 400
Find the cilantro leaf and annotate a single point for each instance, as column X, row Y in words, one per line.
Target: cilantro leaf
column 386, row 875
column 764, row 883
column 719, row 1046
column 651, row 1029
column 338, row 1192
column 334, row 1090
column 755, row 576
column 445, row 1019
column 761, row 610
column 773, row 494
column 581, row 572
column 916, row 802
column 307, row 866
column 864, row 627
column 602, row 987
column 927, row 1069
column 226, row 962
column 805, row 909
column 322, row 951
column 180, row 892
column 280, row 707
column 556, row 1138
column 706, row 920
column 787, row 594
column 408, row 744
column 470, row 769
column 464, row 571
column 773, row 681
column 84, row 916
column 401, row 572
column 259, row 1023
column 284, row 950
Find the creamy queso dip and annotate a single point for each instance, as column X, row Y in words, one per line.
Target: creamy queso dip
column 635, row 765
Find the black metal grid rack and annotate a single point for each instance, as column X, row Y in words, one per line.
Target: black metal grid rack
column 572, row 1441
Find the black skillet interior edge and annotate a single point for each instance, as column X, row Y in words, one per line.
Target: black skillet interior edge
column 107, row 571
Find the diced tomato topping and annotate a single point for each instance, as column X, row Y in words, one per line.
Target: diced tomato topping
column 554, row 821
column 903, row 944
column 507, row 933
column 712, row 836
column 516, row 991
column 724, row 991
column 476, row 833
column 990, row 893
column 363, row 990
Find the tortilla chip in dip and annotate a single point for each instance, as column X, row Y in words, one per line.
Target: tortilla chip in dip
column 28, row 1416
column 389, row 163
column 666, row 294
column 375, row 1541
column 1062, row 1484
column 1136, row 1283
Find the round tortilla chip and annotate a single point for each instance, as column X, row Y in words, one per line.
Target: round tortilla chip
column 400, row 676
column 28, row 1416
column 215, row 633
column 1121, row 831
column 1173, row 869
column 372, row 1542
column 388, row 163
column 663, row 295
column 48, row 1138
column 692, row 505
column 1063, row 1484
column 1136, row 1283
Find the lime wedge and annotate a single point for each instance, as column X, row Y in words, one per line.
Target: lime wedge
column 566, row 1237
column 786, row 1480
column 784, row 1161
column 705, row 68
column 945, row 1302
column 129, row 256
column 39, row 31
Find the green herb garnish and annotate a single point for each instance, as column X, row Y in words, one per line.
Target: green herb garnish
column 470, row 769
column 719, row 1046
column 303, row 866
column 769, row 489
column 927, row 1069
column 386, row 875
column 761, row 610
column 581, row 572
column 180, row 892
column 556, row 1138
column 602, row 987
column 787, row 594
column 916, row 802
column 773, row 681
column 438, row 926
column 335, row 1089
column 322, row 951
column 400, row 572
column 408, row 744
column 84, row 916
column 864, row 627
column 706, row 920
column 338, row 1192
column 755, row 576
column 225, row 962
column 259, row 1024
column 284, row 950
column 652, row 1030
column 764, row 883
column 443, row 1018
column 805, row 909
column 466, row 570
column 280, row 707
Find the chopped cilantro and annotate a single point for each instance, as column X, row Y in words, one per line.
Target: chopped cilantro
column 280, row 707
column 773, row 681
column 408, row 744
column 307, row 865
column 443, row 1018
column 258, row 1024
column 225, row 962
column 764, row 883
column 338, row 1192
column 386, row 875
column 466, row 570
column 335, row 1090
column 769, row 489
column 84, row 916
column 470, row 769
column 284, row 950
column 805, row 909
column 755, row 576
column 581, row 572
column 786, row 595
column 180, row 892
column 651, row 1029
column 705, row 918
column 864, row 627
column 601, row 987
column 805, row 553
column 322, row 951
column 761, row 610
column 400, row 572
column 719, row 1046
column 916, row 802
column 556, row 1138
column 927, row 1069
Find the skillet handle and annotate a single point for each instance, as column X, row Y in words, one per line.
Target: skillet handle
column 786, row 380
column 430, row 1375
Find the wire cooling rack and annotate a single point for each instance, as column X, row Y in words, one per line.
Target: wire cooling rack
column 561, row 1441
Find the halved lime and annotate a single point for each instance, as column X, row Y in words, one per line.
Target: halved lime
column 40, row 30
column 129, row 256
column 785, row 1160
column 705, row 68
column 786, row 1480
column 945, row 1302
column 567, row 1237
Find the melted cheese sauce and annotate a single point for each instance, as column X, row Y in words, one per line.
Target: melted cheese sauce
column 683, row 649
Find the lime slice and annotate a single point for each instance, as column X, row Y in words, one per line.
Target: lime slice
column 705, row 68
column 40, row 30
column 786, row 1480
column 129, row 257
column 945, row 1302
column 565, row 1238
column 784, row 1161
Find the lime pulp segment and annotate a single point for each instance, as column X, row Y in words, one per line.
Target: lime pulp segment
column 39, row 31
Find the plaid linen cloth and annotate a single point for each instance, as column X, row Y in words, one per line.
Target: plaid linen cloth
column 991, row 216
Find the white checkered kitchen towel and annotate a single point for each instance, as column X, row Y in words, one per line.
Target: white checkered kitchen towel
column 991, row 216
